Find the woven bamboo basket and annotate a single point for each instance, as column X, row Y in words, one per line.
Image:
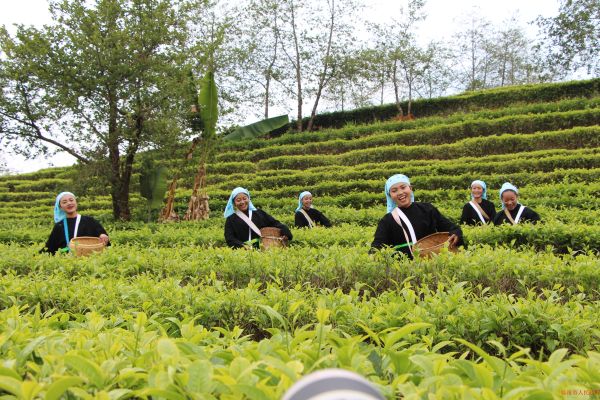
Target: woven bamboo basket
column 86, row 245
column 433, row 244
column 271, row 237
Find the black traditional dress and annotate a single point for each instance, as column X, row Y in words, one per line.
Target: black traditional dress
column 425, row 219
column 471, row 217
column 527, row 215
column 88, row 226
column 237, row 231
column 316, row 216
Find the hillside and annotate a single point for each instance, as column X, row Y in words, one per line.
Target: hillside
column 169, row 312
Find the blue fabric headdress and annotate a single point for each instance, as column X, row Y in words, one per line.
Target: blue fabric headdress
column 59, row 213
column 229, row 208
column 483, row 185
column 305, row 193
column 507, row 186
column 392, row 180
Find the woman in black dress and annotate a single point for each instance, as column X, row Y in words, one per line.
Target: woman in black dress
column 513, row 212
column 307, row 216
column 244, row 221
column 479, row 210
column 408, row 221
column 69, row 224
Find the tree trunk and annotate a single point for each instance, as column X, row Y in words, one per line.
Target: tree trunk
column 409, row 107
column 198, row 206
column 323, row 77
column 396, row 88
column 298, row 71
column 269, row 72
column 168, row 213
column 410, row 78
column 118, row 195
column 382, row 85
column 267, row 84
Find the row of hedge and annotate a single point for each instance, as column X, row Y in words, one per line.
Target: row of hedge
column 560, row 236
column 456, row 173
column 358, row 131
column 432, row 136
column 576, row 138
column 219, row 172
column 489, row 98
column 502, row 269
column 559, row 195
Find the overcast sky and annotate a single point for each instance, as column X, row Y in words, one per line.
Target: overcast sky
column 443, row 19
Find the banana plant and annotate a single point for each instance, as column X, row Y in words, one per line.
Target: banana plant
column 209, row 113
column 153, row 184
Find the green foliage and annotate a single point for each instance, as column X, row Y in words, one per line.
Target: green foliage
column 572, row 37
column 88, row 85
column 257, row 129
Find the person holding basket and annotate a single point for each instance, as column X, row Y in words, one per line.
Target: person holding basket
column 244, row 222
column 407, row 221
column 69, row 224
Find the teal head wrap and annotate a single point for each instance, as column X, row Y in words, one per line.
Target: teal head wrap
column 59, row 213
column 483, row 185
column 392, row 180
column 305, row 193
column 229, row 208
column 507, row 186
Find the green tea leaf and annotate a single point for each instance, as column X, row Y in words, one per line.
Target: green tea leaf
column 11, row 385
column 58, row 387
column 88, row 368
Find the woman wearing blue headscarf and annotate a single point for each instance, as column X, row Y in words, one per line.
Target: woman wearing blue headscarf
column 69, row 224
column 307, row 216
column 408, row 221
column 479, row 210
column 244, row 221
column 513, row 212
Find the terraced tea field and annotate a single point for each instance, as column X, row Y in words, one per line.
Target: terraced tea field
column 168, row 311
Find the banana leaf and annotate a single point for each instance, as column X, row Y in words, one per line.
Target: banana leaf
column 153, row 185
column 258, row 129
column 208, row 101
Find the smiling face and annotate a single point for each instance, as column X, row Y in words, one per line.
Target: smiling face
column 68, row 204
column 307, row 201
column 510, row 199
column 401, row 194
column 477, row 191
column 241, row 202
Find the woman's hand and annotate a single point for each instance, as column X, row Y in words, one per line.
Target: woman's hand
column 453, row 240
column 104, row 238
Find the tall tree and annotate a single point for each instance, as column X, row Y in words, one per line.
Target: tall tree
column 572, row 38
column 292, row 38
column 259, row 53
column 398, row 43
column 357, row 80
column 473, row 52
column 314, row 40
column 510, row 50
column 101, row 83
column 437, row 76
column 513, row 58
